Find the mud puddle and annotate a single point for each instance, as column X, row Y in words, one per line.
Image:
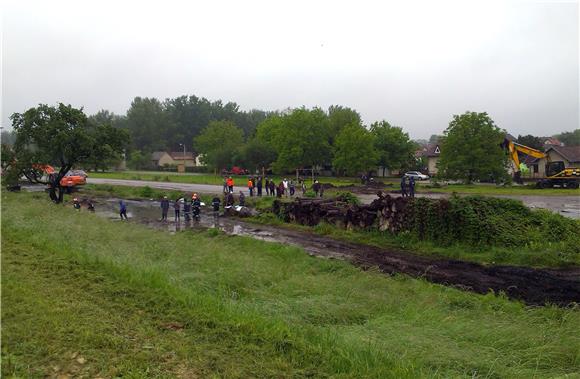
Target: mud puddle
column 533, row 286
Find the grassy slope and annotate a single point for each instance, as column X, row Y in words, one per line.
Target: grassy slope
column 74, row 282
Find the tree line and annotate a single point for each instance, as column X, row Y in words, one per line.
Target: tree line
column 306, row 138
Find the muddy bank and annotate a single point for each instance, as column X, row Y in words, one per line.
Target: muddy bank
column 533, row 286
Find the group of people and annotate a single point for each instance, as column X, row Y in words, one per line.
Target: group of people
column 258, row 185
column 191, row 209
column 407, row 186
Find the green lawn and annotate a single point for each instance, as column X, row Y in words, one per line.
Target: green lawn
column 485, row 189
column 482, row 189
column 240, row 180
column 135, row 302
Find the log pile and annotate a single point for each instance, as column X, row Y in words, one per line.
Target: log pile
column 384, row 213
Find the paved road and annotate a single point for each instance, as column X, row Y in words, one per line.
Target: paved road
column 568, row 206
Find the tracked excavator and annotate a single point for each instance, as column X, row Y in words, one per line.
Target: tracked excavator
column 557, row 174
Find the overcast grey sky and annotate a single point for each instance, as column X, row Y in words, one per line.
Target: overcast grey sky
column 413, row 63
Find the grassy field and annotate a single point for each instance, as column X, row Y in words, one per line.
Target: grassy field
column 485, row 189
column 480, row 189
column 91, row 297
column 240, row 181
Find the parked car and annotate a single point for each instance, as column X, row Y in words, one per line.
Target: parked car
column 417, row 175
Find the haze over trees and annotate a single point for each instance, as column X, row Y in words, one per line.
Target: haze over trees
column 471, row 149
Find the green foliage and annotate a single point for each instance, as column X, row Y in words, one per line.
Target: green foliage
column 218, row 142
column 471, row 149
column 300, row 138
column 531, row 141
column 138, row 160
column 147, row 192
column 339, row 117
column 61, row 136
column 348, row 197
column 354, row 150
column 255, row 155
column 490, row 221
column 396, row 150
column 570, row 138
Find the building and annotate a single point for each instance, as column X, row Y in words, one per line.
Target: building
column 431, row 152
column 161, row 159
column 570, row 155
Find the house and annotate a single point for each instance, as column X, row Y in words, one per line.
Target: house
column 570, row 155
column 431, row 153
column 174, row 158
column 550, row 141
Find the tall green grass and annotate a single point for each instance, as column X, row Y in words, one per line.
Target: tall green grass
column 320, row 317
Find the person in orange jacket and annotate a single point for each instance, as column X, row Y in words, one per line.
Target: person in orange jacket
column 230, row 184
column 251, row 186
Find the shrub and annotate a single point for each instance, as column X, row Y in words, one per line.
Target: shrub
column 348, row 197
column 147, row 192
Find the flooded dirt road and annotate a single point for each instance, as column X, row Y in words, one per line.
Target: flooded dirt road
column 568, row 206
column 533, row 286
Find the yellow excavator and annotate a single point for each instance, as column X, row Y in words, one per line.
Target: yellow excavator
column 557, row 174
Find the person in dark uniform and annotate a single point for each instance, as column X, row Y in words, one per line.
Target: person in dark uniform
column 404, row 186
column 259, row 186
column 412, row 186
column 164, row 208
column 123, row 210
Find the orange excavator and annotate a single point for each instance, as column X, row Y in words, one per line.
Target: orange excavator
column 557, row 174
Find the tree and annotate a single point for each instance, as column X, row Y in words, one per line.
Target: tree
column 138, row 160
column 218, row 143
column 435, row 138
column 148, row 124
column 300, row 138
column 471, row 149
column 60, row 136
column 531, row 141
column 255, row 155
column 354, row 150
column 339, row 117
column 396, row 151
column 111, row 142
column 570, row 138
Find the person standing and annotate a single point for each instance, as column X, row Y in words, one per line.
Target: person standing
column 225, row 184
column 267, row 185
column 250, row 187
column 292, row 188
column 176, row 207
column 272, row 188
column 404, row 186
column 242, row 199
column 316, row 187
column 285, row 183
column 164, row 208
column 303, row 185
column 123, row 210
column 230, row 184
column 412, row 186
column 259, row 186
column 195, row 207
column 215, row 203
